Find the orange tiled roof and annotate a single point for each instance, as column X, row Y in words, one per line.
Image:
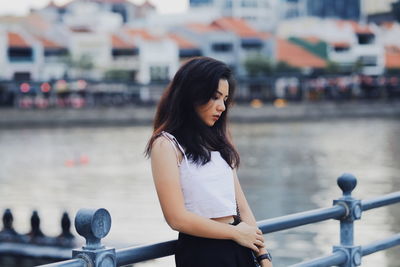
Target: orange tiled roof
column 118, row 42
column 238, row 26
column 265, row 35
column 202, row 28
column 16, row 40
column 142, row 33
column 358, row 28
column 392, row 56
column 48, row 43
column 340, row 44
column 296, row 56
column 182, row 42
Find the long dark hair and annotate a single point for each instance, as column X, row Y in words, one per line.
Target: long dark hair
column 193, row 85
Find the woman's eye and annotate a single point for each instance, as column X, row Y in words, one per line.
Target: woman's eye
column 215, row 97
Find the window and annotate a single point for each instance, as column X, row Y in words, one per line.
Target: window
column 124, row 52
column 364, row 39
column 368, row 61
column 159, row 73
column 22, row 76
column 222, row 47
column 20, row 54
column 252, row 43
column 55, row 52
column 341, row 49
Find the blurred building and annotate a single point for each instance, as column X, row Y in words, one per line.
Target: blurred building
column 21, row 54
column 261, row 14
column 347, row 43
column 91, row 40
column 374, row 7
column 158, row 56
column 231, row 40
column 126, row 10
column 88, row 42
column 343, row 9
column 292, row 9
column 380, row 11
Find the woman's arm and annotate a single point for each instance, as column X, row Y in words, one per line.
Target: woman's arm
column 166, row 179
column 246, row 214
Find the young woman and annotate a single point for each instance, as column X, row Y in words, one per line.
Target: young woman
column 194, row 168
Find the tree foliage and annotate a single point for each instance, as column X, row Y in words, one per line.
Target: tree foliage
column 256, row 66
column 117, row 75
column 282, row 66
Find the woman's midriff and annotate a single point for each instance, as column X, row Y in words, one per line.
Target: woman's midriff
column 226, row 219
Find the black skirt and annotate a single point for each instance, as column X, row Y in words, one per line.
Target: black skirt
column 192, row 251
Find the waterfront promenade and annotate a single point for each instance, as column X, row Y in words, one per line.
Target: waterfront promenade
column 143, row 115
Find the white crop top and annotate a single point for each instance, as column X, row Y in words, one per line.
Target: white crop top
column 208, row 190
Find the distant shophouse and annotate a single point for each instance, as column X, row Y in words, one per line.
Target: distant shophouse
column 389, row 34
column 187, row 48
column 125, row 10
column 158, row 56
column 230, row 40
column 22, row 55
column 213, row 41
column 250, row 42
column 260, row 14
column 348, row 43
column 124, row 58
column 54, row 65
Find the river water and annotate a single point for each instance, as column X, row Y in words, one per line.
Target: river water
column 286, row 168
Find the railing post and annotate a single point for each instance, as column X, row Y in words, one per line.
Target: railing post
column 93, row 225
column 347, row 182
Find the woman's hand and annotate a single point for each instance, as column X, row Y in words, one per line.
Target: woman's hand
column 249, row 236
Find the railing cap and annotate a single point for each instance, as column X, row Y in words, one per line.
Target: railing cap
column 93, row 224
column 347, row 182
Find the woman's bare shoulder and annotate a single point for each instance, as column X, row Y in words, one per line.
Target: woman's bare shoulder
column 161, row 143
column 162, row 146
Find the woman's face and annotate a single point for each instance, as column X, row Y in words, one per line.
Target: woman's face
column 210, row 112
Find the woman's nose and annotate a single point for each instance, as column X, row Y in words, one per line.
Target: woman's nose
column 221, row 106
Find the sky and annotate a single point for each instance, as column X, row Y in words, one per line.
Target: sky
column 21, row 7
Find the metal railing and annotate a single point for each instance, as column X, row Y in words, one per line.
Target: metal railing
column 95, row 224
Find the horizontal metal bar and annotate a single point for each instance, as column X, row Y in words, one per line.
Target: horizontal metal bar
column 142, row 253
column 380, row 201
column 301, row 218
column 337, row 258
column 381, row 245
column 68, row 263
column 35, row 251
